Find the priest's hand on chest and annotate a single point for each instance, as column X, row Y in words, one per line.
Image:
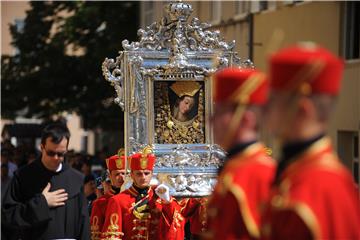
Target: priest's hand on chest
column 56, row 198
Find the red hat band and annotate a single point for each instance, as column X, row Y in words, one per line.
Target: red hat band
column 141, row 161
column 115, row 162
column 306, row 69
column 240, row 86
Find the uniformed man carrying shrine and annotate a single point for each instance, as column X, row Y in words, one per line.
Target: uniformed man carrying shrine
column 115, row 173
column 314, row 194
column 244, row 182
column 142, row 211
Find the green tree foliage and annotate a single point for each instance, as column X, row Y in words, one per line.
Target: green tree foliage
column 58, row 65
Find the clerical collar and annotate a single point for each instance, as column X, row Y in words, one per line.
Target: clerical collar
column 290, row 151
column 59, row 168
column 48, row 171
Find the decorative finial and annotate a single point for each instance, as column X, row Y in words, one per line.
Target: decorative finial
column 178, row 11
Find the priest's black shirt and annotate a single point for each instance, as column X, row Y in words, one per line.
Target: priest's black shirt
column 25, row 212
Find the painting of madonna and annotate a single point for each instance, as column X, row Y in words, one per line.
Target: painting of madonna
column 180, row 117
column 185, row 107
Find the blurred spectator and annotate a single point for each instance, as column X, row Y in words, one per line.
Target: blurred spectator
column 6, row 158
column 90, row 190
column 6, row 144
column 86, row 168
column 99, row 187
column 32, row 155
column 19, row 157
column 100, row 158
column 5, row 178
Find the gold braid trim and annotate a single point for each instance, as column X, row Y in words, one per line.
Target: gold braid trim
column 301, row 209
column 240, row 196
column 113, row 232
column 308, row 216
column 95, row 233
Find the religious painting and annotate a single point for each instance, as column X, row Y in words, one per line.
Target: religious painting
column 179, row 112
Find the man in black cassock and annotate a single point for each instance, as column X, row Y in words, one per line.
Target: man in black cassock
column 45, row 199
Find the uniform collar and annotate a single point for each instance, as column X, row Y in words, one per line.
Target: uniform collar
column 114, row 190
column 239, row 148
column 136, row 191
column 291, row 151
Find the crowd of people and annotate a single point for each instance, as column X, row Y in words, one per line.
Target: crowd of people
column 306, row 194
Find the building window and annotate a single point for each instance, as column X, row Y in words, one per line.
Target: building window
column 272, row 5
column 288, row 2
column 348, row 151
column 351, row 34
column 257, row 6
column 242, row 7
column 215, row 11
column 263, row 5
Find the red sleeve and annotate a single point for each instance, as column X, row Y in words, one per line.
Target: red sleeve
column 189, row 207
column 168, row 211
column 231, row 222
column 198, row 220
column 225, row 220
column 96, row 220
column 171, row 221
column 113, row 221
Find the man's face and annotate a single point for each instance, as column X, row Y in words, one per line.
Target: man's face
column 223, row 114
column 89, row 188
column 53, row 154
column 276, row 112
column 141, row 178
column 117, row 177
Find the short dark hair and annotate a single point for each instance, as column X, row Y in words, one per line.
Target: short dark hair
column 56, row 131
column 89, row 178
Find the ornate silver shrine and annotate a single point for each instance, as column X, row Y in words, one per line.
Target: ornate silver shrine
column 173, row 62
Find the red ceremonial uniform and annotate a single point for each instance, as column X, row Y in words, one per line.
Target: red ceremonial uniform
column 241, row 193
column 151, row 220
column 139, row 214
column 198, row 220
column 97, row 217
column 244, row 183
column 195, row 211
column 315, row 196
